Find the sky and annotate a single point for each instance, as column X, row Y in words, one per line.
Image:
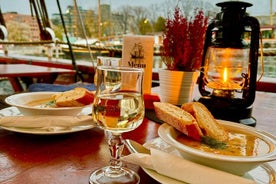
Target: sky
column 260, row 7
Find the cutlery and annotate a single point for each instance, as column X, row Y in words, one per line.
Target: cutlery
column 135, row 147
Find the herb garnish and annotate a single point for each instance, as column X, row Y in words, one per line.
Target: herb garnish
column 51, row 103
column 213, row 143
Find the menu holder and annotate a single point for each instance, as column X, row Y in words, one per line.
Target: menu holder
column 138, row 53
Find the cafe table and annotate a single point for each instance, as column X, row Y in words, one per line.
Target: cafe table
column 16, row 71
column 70, row 158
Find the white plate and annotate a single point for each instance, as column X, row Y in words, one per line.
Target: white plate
column 264, row 174
column 234, row 164
column 13, row 111
column 161, row 178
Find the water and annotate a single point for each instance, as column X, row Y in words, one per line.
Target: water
column 269, row 66
column 269, row 61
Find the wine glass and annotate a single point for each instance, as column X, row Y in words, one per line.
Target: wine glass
column 118, row 107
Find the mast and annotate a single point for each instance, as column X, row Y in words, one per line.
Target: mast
column 271, row 13
column 75, row 21
column 99, row 20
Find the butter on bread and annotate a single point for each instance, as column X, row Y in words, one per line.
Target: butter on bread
column 208, row 124
column 178, row 118
column 74, row 98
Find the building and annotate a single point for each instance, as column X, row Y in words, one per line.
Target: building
column 33, row 32
column 103, row 24
column 73, row 23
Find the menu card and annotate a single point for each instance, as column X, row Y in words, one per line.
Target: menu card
column 138, row 53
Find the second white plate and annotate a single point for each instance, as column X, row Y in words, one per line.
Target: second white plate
column 13, row 111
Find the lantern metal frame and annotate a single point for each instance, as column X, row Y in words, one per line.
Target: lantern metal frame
column 227, row 30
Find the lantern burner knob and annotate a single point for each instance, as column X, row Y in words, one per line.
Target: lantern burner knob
column 223, row 93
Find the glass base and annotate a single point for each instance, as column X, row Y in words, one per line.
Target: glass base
column 124, row 176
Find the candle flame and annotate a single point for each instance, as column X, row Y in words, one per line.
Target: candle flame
column 225, row 75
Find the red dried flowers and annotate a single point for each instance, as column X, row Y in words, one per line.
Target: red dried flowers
column 184, row 40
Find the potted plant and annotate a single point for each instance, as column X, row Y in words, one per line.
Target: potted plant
column 183, row 42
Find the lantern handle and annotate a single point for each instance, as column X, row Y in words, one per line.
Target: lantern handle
column 261, row 57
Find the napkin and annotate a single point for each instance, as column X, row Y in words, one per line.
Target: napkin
column 183, row 170
column 45, row 121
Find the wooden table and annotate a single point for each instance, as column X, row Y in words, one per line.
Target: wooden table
column 16, row 71
column 70, row 158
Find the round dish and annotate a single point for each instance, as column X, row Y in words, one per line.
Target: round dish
column 13, row 111
column 22, row 100
column 266, row 171
column 238, row 165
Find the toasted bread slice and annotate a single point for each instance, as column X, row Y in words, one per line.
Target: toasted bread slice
column 208, row 124
column 178, row 118
column 74, row 98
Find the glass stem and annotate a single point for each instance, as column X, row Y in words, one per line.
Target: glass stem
column 116, row 146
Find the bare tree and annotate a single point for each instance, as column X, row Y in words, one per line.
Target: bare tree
column 125, row 20
column 188, row 6
column 140, row 15
column 18, row 31
column 132, row 17
column 138, row 19
column 154, row 12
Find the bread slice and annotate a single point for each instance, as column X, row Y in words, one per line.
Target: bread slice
column 178, row 118
column 74, row 98
column 208, row 124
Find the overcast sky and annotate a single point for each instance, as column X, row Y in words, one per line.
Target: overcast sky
column 260, row 7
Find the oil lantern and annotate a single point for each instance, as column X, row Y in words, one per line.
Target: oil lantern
column 227, row 81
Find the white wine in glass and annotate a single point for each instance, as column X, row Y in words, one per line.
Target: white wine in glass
column 118, row 107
